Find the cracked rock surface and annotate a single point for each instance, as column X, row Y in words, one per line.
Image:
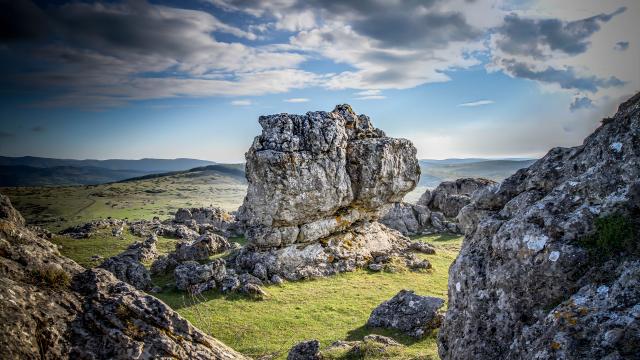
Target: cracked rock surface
column 525, row 285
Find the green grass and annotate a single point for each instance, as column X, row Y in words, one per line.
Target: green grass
column 59, row 207
column 614, row 233
column 329, row 309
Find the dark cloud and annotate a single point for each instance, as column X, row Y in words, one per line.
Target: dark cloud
column 581, row 103
column 6, row 135
column 565, row 78
column 621, row 45
column 530, row 37
column 38, row 129
column 402, row 23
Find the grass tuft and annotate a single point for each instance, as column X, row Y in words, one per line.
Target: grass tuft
column 614, row 233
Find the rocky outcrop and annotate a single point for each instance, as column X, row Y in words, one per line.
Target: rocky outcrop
column 412, row 314
column 337, row 253
column 322, row 178
column 210, row 217
column 127, row 266
column 53, row 308
column 549, row 266
column 449, row 197
column 436, row 210
column 201, row 248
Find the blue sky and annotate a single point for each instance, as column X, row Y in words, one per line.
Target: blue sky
column 173, row 79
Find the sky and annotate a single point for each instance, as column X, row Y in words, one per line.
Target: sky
column 169, row 79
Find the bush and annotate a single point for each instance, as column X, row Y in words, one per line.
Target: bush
column 614, row 234
column 53, row 275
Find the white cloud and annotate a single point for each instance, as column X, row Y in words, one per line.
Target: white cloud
column 371, row 97
column 369, row 92
column 296, row 100
column 241, row 102
column 476, row 103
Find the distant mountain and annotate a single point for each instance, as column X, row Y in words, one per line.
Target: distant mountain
column 142, row 165
column 436, row 171
column 20, row 175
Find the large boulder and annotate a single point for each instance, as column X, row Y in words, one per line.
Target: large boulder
column 321, row 175
column 201, row 248
column 412, row 314
column 549, row 267
column 53, row 308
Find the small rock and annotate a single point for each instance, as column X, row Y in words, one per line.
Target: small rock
column 306, row 350
column 375, row 267
column 412, row 314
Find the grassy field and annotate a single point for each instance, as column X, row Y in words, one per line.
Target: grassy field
column 59, row 207
column 329, row 309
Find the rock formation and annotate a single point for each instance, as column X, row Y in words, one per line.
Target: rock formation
column 436, row 210
column 317, row 183
column 53, row 308
column 412, row 314
column 127, row 266
column 549, row 268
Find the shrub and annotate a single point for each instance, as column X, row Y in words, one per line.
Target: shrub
column 53, row 275
column 614, row 234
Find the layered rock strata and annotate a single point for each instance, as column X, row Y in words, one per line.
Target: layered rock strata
column 316, row 186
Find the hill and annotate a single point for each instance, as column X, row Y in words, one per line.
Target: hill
column 21, row 175
column 141, row 165
column 142, row 198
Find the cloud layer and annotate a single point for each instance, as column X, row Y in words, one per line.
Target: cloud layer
column 95, row 54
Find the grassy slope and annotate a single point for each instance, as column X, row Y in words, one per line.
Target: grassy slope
column 60, row 207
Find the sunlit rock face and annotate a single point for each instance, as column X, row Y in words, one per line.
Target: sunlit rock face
column 527, row 284
column 317, row 185
column 314, row 175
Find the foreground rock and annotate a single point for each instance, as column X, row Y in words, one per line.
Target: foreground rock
column 412, row 314
column 436, row 210
column 53, row 308
column 317, row 183
column 533, row 279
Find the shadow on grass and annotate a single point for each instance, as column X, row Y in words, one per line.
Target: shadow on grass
column 359, row 333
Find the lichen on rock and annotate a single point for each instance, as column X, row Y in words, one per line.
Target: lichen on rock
column 319, row 179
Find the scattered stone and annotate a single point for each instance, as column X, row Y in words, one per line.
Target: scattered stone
column 201, row 248
column 376, row 267
column 422, row 247
column 70, row 312
column 412, row 314
column 277, row 280
column 195, row 278
column 163, row 264
column 128, row 268
column 306, row 350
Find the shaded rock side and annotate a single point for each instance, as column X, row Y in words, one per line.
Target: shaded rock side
column 436, row 210
column 53, row 308
column 314, row 175
column 525, row 284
